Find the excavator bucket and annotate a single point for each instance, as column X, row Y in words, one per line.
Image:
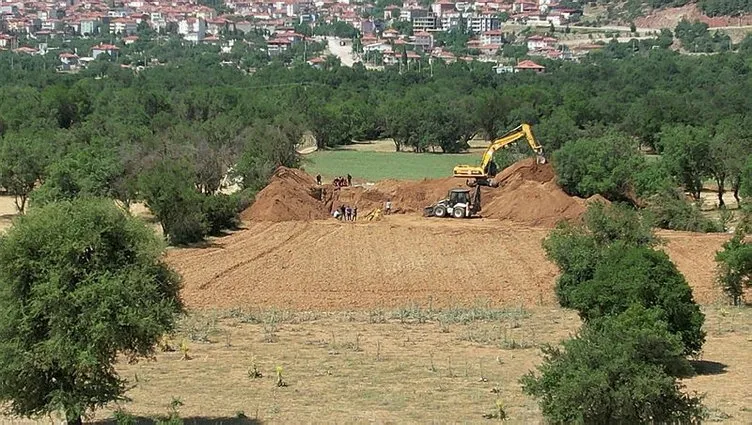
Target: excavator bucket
column 540, row 159
column 373, row 215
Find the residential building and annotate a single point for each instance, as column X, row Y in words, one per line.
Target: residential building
column 521, row 6
column 440, row 8
column 481, row 23
column 537, row 42
column 105, row 48
column 90, row 26
column 423, row 40
column 8, row 41
column 68, row 58
column 450, row 21
column 278, row 45
column 492, row 37
column 192, row 29
column 391, row 12
column 424, row 23
column 317, row 62
column 410, row 13
column 528, row 65
column 124, row 26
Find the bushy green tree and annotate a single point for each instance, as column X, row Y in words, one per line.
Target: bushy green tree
column 627, row 276
column 670, row 209
column 267, row 146
column 578, row 248
column 686, row 154
column 23, row 162
column 735, row 267
column 80, row 283
column 602, row 165
column 90, row 171
column 618, row 370
column 171, row 196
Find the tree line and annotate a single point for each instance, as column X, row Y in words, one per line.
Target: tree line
column 193, row 117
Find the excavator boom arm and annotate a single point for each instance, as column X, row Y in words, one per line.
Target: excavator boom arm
column 523, row 130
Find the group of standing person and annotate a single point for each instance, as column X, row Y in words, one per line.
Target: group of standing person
column 338, row 181
column 346, row 213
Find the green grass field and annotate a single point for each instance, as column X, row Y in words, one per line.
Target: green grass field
column 374, row 166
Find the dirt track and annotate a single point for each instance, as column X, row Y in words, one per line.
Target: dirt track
column 329, row 265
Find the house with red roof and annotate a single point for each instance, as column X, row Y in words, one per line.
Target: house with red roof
column 423, row 40
column 528, row 65
column 105, row 48
column 492, row 37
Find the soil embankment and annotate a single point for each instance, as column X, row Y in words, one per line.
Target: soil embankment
column 528, row 194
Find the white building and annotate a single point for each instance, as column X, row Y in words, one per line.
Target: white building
column 123, row 26
column 481, row 23
column 192, row 29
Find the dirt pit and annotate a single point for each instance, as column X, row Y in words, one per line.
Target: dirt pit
column 527, row 194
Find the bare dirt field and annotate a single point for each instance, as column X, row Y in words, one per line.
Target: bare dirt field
column 329, row 265
column 292, row 256
column 7, row 211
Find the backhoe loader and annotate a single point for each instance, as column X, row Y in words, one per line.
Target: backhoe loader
column 483, row 175
column 459, row 203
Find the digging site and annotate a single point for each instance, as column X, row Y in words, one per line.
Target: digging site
column 293, row 254
column 527, row 194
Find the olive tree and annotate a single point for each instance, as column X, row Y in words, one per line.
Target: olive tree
column 618, row 370
column 80, row 283
column 22, row 166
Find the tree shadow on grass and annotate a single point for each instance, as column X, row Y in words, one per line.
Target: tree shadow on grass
column 707, row 367
column 197, row 420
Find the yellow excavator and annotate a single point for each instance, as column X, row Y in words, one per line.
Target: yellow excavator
column 462, row 203
column 482, row 175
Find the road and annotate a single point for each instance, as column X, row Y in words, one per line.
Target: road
column 344, row 53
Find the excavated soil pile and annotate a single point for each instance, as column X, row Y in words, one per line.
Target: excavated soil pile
column 291, row 195
column 527, row 194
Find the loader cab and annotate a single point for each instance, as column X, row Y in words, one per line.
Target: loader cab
column 458, row 196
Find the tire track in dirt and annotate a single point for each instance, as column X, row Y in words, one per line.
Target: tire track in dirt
column 330, row 265
column 304, row 228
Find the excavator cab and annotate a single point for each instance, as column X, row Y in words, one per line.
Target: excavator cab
column 457, row 196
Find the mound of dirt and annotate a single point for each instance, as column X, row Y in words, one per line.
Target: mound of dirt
column 533, row 203
column 291, row 195
column 526, row 170
column 527, row 194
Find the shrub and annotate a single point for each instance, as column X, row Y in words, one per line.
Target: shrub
column 221, row 212
column 669, row 209
column 577, row 249
column 618, row 370
column 735, row 267
column 604, row 165
column 171, row 196
column 618, row 222
column 652, row 178
column 576, row 253
column 627, row 276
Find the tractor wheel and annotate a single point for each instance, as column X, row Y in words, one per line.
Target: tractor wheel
column 458, row 213
column 440, row 211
